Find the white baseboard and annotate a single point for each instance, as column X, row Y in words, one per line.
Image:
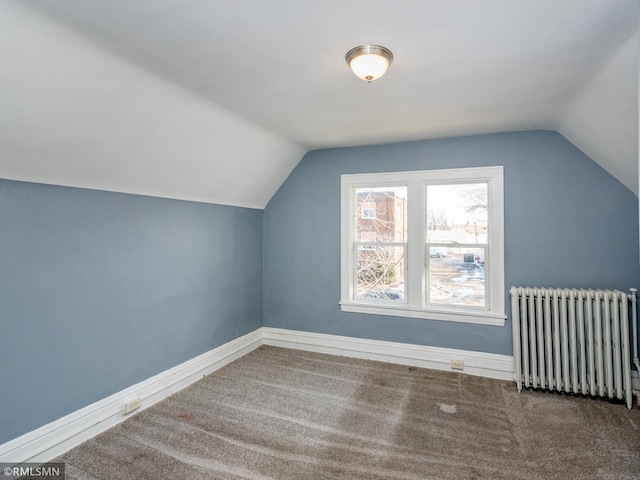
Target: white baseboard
column 489, row 365
column 49, row 441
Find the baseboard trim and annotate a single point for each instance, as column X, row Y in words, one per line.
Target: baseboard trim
column 55, row 438
column 51, row 440
column 481, row 364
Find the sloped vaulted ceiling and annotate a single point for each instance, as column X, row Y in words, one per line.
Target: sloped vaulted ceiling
column 217, row 101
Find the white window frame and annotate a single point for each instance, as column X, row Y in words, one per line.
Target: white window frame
column 415, row 292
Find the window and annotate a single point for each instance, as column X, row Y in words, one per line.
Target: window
column 424, row 244
column 380, row 243
column 368, row 210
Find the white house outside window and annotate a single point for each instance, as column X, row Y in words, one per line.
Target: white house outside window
column 424, row 244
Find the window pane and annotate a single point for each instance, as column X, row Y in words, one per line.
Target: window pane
column 380, row 272
column 457, row 213
column 381, row 214
column 456, row 276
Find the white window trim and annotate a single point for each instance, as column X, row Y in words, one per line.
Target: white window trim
column 416, row 251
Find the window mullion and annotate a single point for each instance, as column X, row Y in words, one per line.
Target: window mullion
column 415, row 253
column 413, row 301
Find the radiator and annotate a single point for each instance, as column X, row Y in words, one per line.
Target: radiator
column 573, row 341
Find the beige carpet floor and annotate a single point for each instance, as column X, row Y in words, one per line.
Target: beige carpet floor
column 286, row 414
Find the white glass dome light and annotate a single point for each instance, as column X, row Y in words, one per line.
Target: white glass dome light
column 369, row 62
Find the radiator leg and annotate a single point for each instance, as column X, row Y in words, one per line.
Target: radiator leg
column 515, row 326
column 634, row 329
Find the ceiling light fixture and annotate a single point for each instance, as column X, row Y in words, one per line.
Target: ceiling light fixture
column 369, row 62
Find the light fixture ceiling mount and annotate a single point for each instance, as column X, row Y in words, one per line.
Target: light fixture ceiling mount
column 369, row 62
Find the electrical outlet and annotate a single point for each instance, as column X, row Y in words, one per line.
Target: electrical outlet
column 457, row 364
column 132, row 405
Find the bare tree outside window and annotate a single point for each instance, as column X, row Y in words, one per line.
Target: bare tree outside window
column 437, row 219
column 381, row 231
column 457, row 249
column 476, row 202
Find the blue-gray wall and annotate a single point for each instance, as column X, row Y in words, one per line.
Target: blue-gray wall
column 568, row 223
column 99, row 291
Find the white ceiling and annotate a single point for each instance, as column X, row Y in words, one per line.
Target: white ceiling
column 217, row 101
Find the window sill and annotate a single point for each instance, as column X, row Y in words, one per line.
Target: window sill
column 463, row 316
